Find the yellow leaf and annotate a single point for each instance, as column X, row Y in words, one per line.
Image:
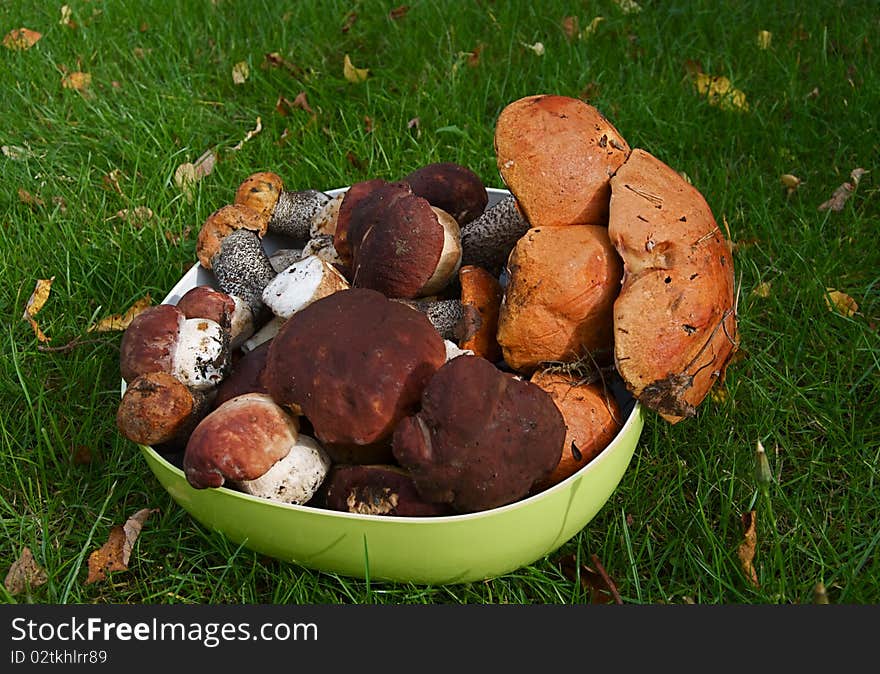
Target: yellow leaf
column 35, row 303
column 721, row 92
column 593, row 27
column 250, row 134
column 352, row 74
column 764, row 39
column 240, row 72
column 791, row 182
column 840, row 302
column 746, row 550
column 719, row 395
column 762, row 290
column 21, row 38
column 120, row 323
column 78, row 81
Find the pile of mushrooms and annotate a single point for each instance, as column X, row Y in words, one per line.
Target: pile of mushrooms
column 411, row 351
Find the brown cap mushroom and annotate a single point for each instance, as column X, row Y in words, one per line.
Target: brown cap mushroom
column 246, row 375
column 220, row 224
column 288, row 213
column 592, row 420
column 482, row 438
column 377, row 490
column 675, row 323
column 557, row 303
column 355, row 363
column 452, row 188
column 244, row 440
column 557, row 155
column 158, row 409
column 231, row 313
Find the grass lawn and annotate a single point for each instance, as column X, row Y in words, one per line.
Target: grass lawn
column 162, row 93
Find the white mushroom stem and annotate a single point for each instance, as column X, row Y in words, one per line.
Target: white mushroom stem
column 487, row 241
column 294, row 212
column 450, row 256
column 294, row 478
column 303, row 282
column 201, row 359
column 268, row 331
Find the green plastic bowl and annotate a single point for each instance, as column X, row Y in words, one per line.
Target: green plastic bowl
column 423, row 550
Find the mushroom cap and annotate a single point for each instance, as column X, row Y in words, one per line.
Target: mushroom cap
column 482, row 437
column 157, row 408
column 260, row 191
column 204, row 301
column 452, row 188
column 223, row 222
column 355, row 363
column 246, row 375
column 558, row 302
column 675, row 328
column 592, row 420
column 377, row 490
column 239, row 440
column 483, row 292
column 351, row 202
column 556, row 155
column 150, row 341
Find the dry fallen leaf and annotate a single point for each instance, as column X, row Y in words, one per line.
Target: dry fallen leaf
column 844, row 192
column 35, row 303
column 116, row 552
column 137, row 216
column 761, row 290
column 24, row 573
column 570, row 26
column 791, row 182
column 840, row 302
column 398, row 12
column 29, row 199
column 599, row 584
column 352, row 74
column 765, row 37
column 78, row 81
column 119, row 323
column 746, row 550
column 188, row 174
column 720, row 92
column 240, row 72
column 538, row 47
column 250, row 134
column 593, row 27
column 65, row 19
column 628, row 6
column 21, row 38
column 348, row 21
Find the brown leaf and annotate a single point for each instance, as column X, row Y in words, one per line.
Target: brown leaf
column 29, row 199
column 21, row 38
column 840, row 302
column 175, row 239
column 368, row 124
column 35, row 303
column 356, row 161
column 398, row 12
column 188, row 174
column 24, row 573
column 276, row 60
column 114, row 555
column 120, row 323
column 77, row 81
column 348, row 21
column 250, row 134
column 302, row 103
column 791, row 182
column 842, row 193
column 746, row 550
column 137, row 216
column 570, row 26
column 473, row 59
column 601, row 587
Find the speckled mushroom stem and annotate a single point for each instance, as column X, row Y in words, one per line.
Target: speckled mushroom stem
column 294, row 212
column 450, row 317
column 243, row 269
column 487, row 241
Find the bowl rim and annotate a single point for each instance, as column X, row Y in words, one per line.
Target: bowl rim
column 634, row 417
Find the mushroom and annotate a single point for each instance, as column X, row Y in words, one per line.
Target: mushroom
column 246, row 375
column 592, row 419
column 158, row 409
column 248, row 442
column 675, row 323
column 452, row 188
column 243, row 270
column 557, row 154
column 481, row 292
column 282, row 258
column 377, row 490
column 287, row 213
column 482, row 438
column 558, row 302
column 322, row 246
column 162, row 339
column 223, row 222
column 396, row 242
column 300, row 284
column 204, row 301
column 354, row 363
column 324, row 222
column 487, row 241
column 448, row 316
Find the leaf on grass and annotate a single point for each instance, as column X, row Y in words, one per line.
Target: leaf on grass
column 720, row 92
column 762, row 290
column 368, row 124
column 250, row 134
column 352, row 74
column 188, row 174
column 283, row 106
column 570, row 27
column 21, row 38
column 29, row 199
column 820, row 594
column 765, row 37
column 65, row 19
column 276, row 60
column 746, row 550
column 111, row 181
column 356, row 161
column 538, row 47
column 593, row 27
column 719, row 395
column 14, row 152
column 600, row 586
column 398, row 12
column 791, row 182
column 628, row 6
column 348, row 21
column 844, row 192
column 78, row 81
column 240, row 72
column 35, row 303
column 116, row 552
column 473, row 57
column 24, row 573
column 120, row 323
column 840, row 302
column 137, row 217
